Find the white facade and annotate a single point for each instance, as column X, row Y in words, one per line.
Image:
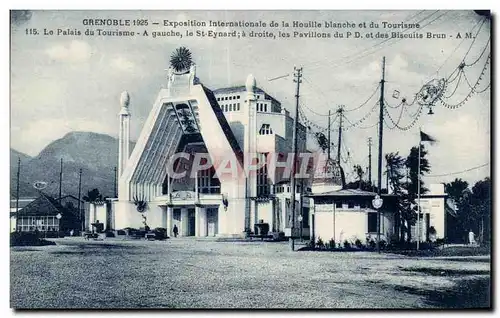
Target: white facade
column 231, row 126
column 347, row 215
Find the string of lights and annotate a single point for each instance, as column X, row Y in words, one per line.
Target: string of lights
column 362, row 119
column 366, row 102
column 460, row 44
column 471, row 92
column 410, row 125
column 458, row 172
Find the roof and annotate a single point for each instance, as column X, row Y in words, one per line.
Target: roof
column 44, row 205
column 224, row 124
column 348, row 193
column 242, row 88
column 22, row 202
column 69, row 196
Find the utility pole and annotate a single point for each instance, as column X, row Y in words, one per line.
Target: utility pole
column 60, row 181
column 115, row 182
column 340, row 110
column 370, row 160
column 297, row 79
column 329, row 133
column 79, row 199
column 17, row 191
column 380, row 135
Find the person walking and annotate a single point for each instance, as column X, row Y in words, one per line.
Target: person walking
column 472, row 241
column 176, row 230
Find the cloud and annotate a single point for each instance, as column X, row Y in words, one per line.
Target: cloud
column 122, row 64
column 73, row 52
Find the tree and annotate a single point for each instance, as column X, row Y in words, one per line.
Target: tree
column 458, row 190
column 359, row 173
column 396, row 172
column 481, row 208
column 93, row 196
column 321, row 140
column 413, row 182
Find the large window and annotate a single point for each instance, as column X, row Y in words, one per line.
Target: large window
column 372, row 222
column 263, row 187
column 265, row 129
column 207, row 182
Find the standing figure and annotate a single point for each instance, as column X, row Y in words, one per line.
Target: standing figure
column 472, row 241
column 176, row 230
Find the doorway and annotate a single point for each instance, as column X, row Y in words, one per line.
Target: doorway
column 212, row 221
column 191, row 226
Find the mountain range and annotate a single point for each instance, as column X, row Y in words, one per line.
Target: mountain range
column 96, row 154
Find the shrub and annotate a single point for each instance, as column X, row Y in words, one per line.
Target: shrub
column 121, row 232
column 331, row 244
column 160, row 233
column 432, row 230
column 311, row 243
column 358, row 243
column 347, row 244
column 109, row 234
column 320, row 244
column 372, row 244
column 382, row 244
column 27, row 239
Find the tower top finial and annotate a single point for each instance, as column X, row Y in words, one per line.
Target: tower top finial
column 251, row 83
column 125, row 99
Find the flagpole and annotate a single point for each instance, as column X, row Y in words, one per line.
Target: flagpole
column 418, row 188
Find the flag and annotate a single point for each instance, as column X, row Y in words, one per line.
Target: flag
column 425, row 137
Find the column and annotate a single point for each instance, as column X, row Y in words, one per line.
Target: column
column 183, row 231
column 203, row 222
column 197, row 221
column 169, row 222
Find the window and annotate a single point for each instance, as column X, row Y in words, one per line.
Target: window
column 226, row 108
column 238, row 97
column 238, row 105
column 263, row 187
column 372, row 222
column 177, row 215
column 338, row 204
column 305, row 218
column 350, row 205
column 218, row 98
column 265, row 108
column 225, row 98
column 265, row 130
column 207, row 180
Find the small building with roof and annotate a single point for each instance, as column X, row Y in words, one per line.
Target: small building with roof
column 46, row 214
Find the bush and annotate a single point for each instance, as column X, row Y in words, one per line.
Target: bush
column 372, row 244
column 320, row 244
column 383, row 244
column 358, row 243
column 160, row 233
column 27, row 239
column 109, row 234
column 347, row 244
column 331, row 244
column 61, row 234
column 121, row 232
column 311, row 243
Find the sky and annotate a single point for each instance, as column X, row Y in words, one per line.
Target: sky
column 73, row 83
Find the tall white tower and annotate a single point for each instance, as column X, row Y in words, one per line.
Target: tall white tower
column 251, row 148
column 124, row 138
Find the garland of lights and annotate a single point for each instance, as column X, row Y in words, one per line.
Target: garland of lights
column 472, row 91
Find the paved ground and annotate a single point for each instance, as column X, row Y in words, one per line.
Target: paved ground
column 191, row 273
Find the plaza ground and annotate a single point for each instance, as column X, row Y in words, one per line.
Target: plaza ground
column 204, row 273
